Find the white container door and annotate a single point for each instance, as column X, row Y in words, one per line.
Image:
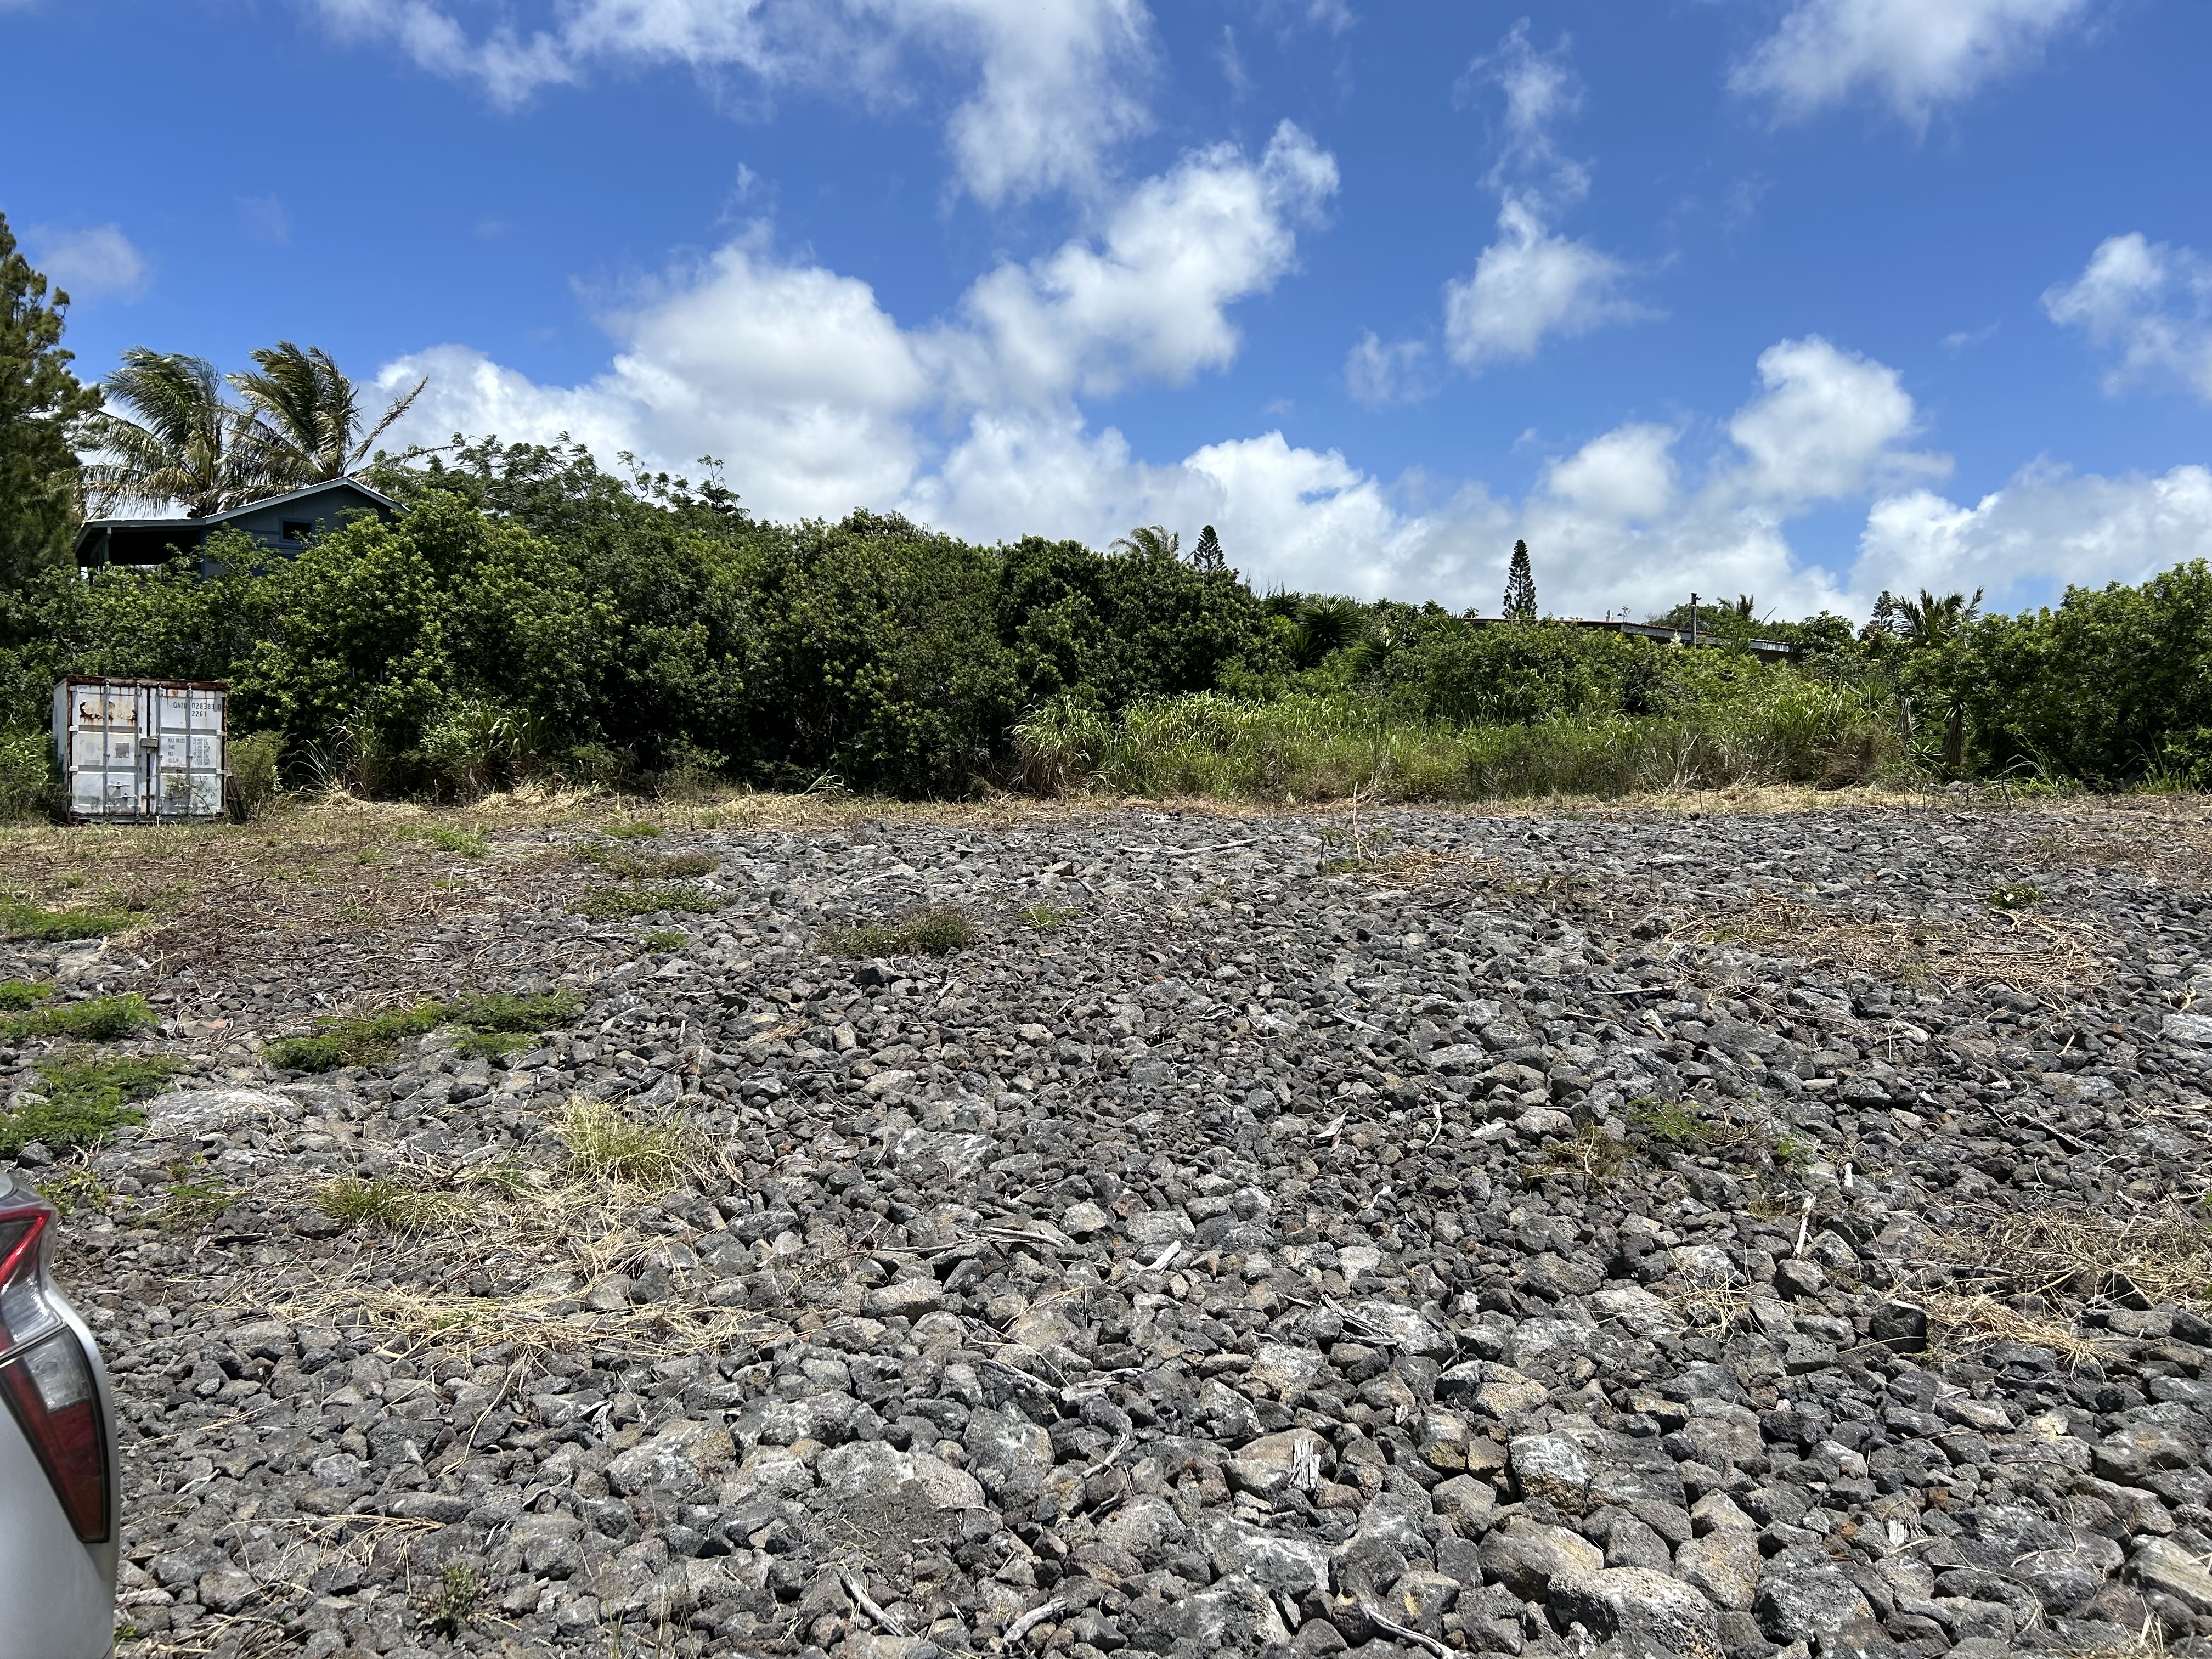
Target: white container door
column 186, row 758
column 107, row 778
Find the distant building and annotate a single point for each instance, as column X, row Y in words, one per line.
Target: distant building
column 280, row 523
column 1660, row 634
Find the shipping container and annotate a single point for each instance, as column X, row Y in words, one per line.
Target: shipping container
column 140, row 751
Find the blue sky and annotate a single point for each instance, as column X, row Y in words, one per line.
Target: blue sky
column 1800, row 298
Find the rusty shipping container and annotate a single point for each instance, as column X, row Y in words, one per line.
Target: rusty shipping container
column 140, row 751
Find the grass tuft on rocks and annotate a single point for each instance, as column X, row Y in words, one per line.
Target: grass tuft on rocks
column 84, row 1101
column 354, row 1039
column 22, row 921
column 17, row 994
column 1048, row 918
column 493, row 1022
column 603, row 1144
column 381, row 1204
column 96, row 1019
column 621, row 903
column 937, row 931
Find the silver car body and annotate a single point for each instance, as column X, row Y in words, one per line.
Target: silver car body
column 57, row 1594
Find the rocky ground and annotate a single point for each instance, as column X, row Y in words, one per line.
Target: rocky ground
column 1639, row 1232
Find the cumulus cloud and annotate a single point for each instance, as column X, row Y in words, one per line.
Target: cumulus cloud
column 822, row 401
column 96, row 261
column 1149, row 298
column 1056, row 81
column 2047, row 524
column 1827, row 425
column 2149, row 306
column 1532, row 282
column 1378, row 375
column 1915, row 55
column 1529, row 283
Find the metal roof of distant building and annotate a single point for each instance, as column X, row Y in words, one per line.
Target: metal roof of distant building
column 260, row 503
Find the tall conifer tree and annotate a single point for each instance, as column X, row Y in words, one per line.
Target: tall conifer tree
column 1521, row 586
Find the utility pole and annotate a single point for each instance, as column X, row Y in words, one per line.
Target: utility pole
column 1693, row 619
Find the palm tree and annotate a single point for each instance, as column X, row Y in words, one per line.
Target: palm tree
column 181, row 446
column 1930, row 620
column 1149, row 541
column 304, row 419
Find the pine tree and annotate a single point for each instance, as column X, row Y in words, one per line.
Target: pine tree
column 40, row 400
column 1521, row 586
column 1207, row 555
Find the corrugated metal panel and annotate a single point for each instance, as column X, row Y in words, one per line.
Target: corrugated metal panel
column 141, row 750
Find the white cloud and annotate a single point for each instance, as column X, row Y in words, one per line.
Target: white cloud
column 2148, row 303
column 1377, row 375
column 1827, row 426
column 1917, row 55
column 1532, row 282
column 1148, row 300
column 1627, row 474
column 2046, row 524
column 1528, row 285
column 822, row 402
column 97, row 260
column 1055, row 78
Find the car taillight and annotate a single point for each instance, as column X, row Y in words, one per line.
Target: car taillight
column 47, row 1378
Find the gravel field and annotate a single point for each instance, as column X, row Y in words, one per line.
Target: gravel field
column 1637, row 1232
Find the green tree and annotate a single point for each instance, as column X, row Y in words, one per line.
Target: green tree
column 1207, row 555
column 1149, row 541
column 303, row 420
column 40, row 400
column 180, row 442
column 1930, row 621
column 1520, row 586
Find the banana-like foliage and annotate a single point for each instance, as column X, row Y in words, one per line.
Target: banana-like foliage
column 303, row 420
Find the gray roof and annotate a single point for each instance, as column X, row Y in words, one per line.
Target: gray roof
column 321, row 487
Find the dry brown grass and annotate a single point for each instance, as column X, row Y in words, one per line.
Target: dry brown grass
column 2164, row 1253
column 1960, row 1325
column 2026, row 951
column 2166, row 837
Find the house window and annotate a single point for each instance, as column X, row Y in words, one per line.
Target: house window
column 297, row 530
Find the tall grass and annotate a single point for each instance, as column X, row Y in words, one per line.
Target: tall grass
column 1786, row 729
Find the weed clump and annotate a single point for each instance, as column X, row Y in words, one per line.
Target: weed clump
column 28, row 921
column 76, row 1189
column 664, row 939
column 85, row 1101
column 453, row 1600
column 937, row 931
column 466, row 843
column 620, row 903
column 191, row 1204
column 1048, row 918
column 499, row 1023
column 96, row 1019
column 629, row 865
column 630, row 832
column 17, row 994
column 604, row 1145
column 354, row 1040
column 2016, row 896
column 494, row 1022
column 381, row 1203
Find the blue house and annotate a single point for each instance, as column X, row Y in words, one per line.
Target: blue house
column 280, row 523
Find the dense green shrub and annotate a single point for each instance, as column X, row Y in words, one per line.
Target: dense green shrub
column 532, row 616
column 29, row 782
column 254, row 779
